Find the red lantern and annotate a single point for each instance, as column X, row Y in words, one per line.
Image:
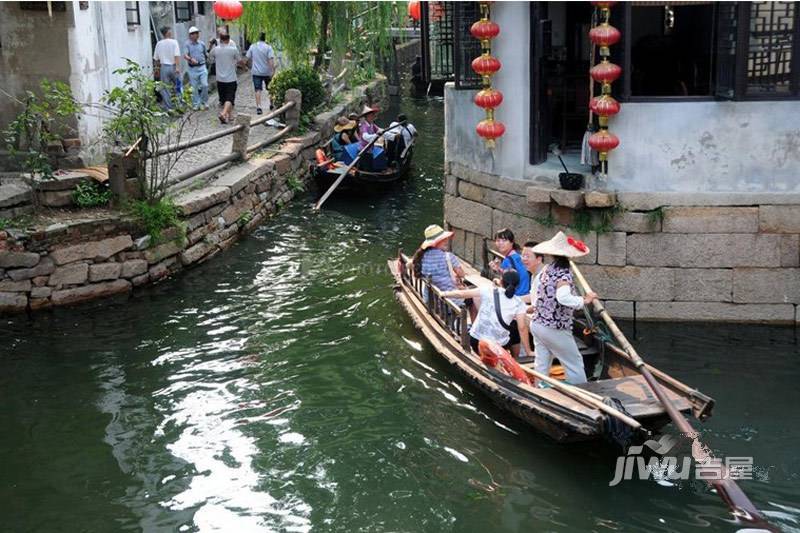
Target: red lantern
column 414, row 10
column 488, row 98
column 605, row 72
column 228, row 9
column 604, row 4
column 604, row 35
column 490, row 130
column 484, row 30
column 603, row 142
column 485, row 65
column 605, row 106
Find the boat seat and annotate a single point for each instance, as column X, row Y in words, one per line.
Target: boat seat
column 636, row 396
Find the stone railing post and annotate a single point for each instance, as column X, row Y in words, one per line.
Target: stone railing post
column 241, row 137
column 293, row 114
column 123, row 178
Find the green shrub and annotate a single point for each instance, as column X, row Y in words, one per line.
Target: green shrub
column 90, row 194
column 303, row 78
column 155, row 217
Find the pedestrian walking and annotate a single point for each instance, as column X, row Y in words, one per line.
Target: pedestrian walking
column 262, row 59
column 226, row 57
column 168, row 54
column 195, row 56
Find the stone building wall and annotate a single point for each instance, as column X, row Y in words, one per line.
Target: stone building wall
column 72, row 262
column 661, row 256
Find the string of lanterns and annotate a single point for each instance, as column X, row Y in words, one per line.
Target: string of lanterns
column 605, row 73
column 485, row 65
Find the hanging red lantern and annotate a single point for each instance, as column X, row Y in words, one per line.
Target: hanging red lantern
column 604, row 106
column 414, row 10
column 485, row 29
column 604, row 4
column 488, row 98
column 228, row 9
column 490, row 130
column 603, row 142
column 604, row 35
column 485, row 65
column 605, row 72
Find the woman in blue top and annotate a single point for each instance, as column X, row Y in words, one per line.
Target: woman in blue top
column 505, row 244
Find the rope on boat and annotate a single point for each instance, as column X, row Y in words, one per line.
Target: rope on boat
column 616, row 431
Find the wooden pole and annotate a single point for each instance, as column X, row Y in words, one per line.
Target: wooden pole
column 729, row 491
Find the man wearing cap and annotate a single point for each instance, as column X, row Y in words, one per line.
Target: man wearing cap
column 195, row 56
column 168, row 54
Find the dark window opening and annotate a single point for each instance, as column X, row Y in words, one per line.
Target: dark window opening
column 671, row 49
column 132, row 14
column 184, row 11
column 201, row 8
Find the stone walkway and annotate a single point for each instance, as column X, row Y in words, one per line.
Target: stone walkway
column 206, row 122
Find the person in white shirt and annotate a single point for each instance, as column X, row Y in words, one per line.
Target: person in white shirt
column 262, row 58
column 226, row 56
column 492, row 323
column 168, row 55
column 401, row 126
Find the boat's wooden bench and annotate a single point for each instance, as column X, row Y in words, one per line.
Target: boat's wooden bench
column 635, row 395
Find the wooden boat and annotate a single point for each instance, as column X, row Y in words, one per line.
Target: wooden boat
column 361, row 182
column 564, row 416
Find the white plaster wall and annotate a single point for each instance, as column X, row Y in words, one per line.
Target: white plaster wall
column 462, row 143
column 707, row 146
column 99, row 42
column 710, row 146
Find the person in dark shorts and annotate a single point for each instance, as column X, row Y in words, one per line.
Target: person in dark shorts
column 226, row 57
column 262, row 59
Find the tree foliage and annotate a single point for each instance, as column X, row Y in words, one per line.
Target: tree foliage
column 137, row 114
column 359, row 29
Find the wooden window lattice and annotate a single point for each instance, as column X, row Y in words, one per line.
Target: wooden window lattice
column 467, row 47
column 132, row 13
column 769, row 53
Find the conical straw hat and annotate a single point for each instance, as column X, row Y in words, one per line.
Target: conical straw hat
column 562, row 245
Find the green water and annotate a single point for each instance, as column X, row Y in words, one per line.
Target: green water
column 279, row 387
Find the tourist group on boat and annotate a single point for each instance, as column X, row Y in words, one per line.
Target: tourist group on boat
column 528, row 310
column 353, row 133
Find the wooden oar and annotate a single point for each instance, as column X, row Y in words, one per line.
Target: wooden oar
column 351, row 165
column 729, row 491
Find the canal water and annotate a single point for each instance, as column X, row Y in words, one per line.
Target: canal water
column 280, row 387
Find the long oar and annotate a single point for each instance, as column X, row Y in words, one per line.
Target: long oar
column 353, row 164
column 729, row 491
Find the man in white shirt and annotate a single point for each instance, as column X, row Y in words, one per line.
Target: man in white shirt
column 262, row 57
column 168, row 55
column 226, row 56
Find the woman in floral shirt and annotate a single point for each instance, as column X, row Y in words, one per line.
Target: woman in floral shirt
column 554, row 304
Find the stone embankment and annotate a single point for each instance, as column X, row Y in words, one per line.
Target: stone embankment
column 656, row 256
column 83, row 259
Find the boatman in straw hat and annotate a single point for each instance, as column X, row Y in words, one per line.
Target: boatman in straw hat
column 554, row 303
column 433, row 260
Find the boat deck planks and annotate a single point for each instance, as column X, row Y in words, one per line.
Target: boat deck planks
column 635, row 395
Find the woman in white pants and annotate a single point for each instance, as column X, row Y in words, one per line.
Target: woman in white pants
column 554, row 303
